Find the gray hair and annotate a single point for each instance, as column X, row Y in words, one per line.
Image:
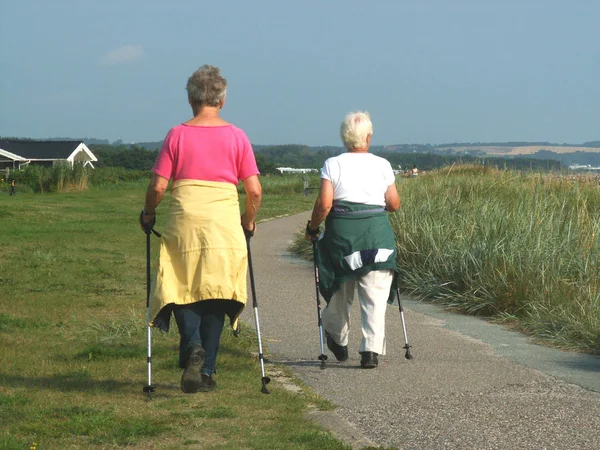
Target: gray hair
column 355, row 129
column 206, row 86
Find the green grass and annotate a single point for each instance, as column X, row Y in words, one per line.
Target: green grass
column 10, row 323
column 522, row 248
column 73, row 339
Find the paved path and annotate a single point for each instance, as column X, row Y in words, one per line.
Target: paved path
column 471, row 385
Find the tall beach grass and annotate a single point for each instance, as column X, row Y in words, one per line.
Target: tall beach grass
column 515, row 246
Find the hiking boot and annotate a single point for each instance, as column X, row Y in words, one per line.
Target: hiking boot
column 368, row 360
column 207, row 384
column 339, row 351
column 191, row 380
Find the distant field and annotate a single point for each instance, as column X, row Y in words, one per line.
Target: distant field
column 525, row 150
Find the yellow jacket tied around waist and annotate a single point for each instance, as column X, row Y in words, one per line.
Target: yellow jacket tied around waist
column 203, row 253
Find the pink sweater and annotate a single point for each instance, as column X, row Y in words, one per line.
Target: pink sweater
column 221, row 153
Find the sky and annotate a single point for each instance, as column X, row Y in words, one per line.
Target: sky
column 430, row 71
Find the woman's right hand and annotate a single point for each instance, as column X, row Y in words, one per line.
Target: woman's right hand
column 310, row 234
column 310, row 238
column 147, row 221
column 249, row 227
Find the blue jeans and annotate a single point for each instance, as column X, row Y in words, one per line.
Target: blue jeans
column 201, row 323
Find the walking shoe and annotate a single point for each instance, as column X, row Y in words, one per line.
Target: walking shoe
column 339, row 351
column 207, row 384
column 190, row 380
column 368, row 360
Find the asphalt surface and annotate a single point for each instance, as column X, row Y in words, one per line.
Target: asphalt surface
column 471, row 384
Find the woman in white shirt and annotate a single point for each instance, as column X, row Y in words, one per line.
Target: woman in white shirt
column 358, row 246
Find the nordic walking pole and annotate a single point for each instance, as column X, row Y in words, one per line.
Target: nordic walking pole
column 149, row 388
column 408, row 355
column 322, row 356
column 265, row 380
column 148, row 229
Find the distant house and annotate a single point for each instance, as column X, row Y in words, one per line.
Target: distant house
column 18, row 153
column 583, row 167
column 292, row 170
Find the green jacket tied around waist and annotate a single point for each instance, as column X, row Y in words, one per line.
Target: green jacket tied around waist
column 358, row 238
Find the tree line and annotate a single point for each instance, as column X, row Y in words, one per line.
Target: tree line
column 269, row 158
column 125, row 156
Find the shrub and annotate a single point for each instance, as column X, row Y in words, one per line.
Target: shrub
column 57, row 178
column 62, row 177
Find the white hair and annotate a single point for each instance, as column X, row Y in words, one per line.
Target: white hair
column 355, row 129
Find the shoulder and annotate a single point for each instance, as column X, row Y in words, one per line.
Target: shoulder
column 175, row 132
column 238, row 136
column 334, row 161
column 238, row 132
column 379, row 160
column 177, row 129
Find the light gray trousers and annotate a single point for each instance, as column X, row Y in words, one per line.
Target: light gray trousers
column 373, row 292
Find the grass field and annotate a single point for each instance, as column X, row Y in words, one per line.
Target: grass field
column 521, row 150
column 73, row 339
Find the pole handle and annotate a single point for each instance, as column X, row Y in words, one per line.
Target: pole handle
column 147, row 271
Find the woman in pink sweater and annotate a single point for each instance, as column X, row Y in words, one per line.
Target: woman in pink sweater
column 205, row 158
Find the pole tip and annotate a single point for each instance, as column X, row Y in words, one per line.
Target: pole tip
column 149, row 389
column 322, row 358
column 265, row 381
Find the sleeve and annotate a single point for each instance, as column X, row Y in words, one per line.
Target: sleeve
column 165, row 161
column 247, row 161
column 326, row 171
column 388, row 174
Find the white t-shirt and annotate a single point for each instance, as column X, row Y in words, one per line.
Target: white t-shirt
column 359, row 177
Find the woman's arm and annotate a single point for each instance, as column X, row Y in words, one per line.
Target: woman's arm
column 392, row 199
column 253, row 191
column 322, row 205
column 154, row 194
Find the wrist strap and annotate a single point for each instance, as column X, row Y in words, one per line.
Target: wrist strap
column 311, row 232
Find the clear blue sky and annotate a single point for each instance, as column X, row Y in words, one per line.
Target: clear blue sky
column 431, row 71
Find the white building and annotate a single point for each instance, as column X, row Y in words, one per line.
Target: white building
column 583, row 167
column 292, row 170
column 18, row 153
